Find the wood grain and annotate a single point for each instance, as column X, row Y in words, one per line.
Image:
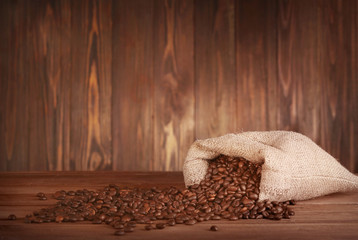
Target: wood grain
column 215, row 95
column 129, row 85
column 173, row 83
column 91, row 86
column 48, row 88
column 338, row 54
column 287, row 83
column 15, row 132
column 133, row 85
column 5, row 24
column 330, row 217
column 256, row 74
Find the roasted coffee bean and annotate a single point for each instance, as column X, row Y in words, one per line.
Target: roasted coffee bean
column 119, row 232
column 11, row 217
column 131, row 224
column 40, row 195
column 148, row 227
column 128, row 229
column 97, row 221
column 160, row 225
column 215, row 217
column 190, row 222
column 59, row 219
column 214, row 228
column 171, row 222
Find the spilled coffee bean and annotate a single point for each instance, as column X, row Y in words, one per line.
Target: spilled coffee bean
column 230, row 190
column 214, row 228
column 11, row 217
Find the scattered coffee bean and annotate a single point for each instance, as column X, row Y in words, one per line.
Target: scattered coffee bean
column 160, row 225
column 119, row 232
column 11, row 217
column 148, row 227
column 40, row 194
column 128, row 229
column 190, row 222
column 171, row 222
column 214, row 228
column 59, row 219
column 230, row 190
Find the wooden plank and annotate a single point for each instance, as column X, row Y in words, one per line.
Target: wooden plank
column 306, row 64
column 48, row 98
column 287, row 85
column 63, row 120
column 338, row 56
column 5, row 28
column 36, row 76
column 173, row 83
column 256, row 65
column 215, row 85
column 353, row 84
column 133, row 85
column 90, row 147
column 15, row 108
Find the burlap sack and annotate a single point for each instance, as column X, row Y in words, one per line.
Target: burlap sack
column 294, row 167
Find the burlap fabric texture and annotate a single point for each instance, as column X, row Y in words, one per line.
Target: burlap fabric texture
column 294, row 167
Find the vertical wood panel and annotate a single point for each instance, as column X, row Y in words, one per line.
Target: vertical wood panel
column 286, row 89
column 338, row 75
column 91, row 85
column 63, row 120
column 133, row 85
column 6, row 8
column 306, row 73
column 256, row 65
column 353, row 83
column 49, row 88
column 215, row 68
column 16, row 102
column 41, row 77
column 174, row 83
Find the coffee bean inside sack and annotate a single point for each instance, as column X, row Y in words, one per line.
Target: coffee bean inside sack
column 229, row 191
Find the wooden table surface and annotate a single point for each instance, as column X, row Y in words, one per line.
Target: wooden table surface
column 330, row 217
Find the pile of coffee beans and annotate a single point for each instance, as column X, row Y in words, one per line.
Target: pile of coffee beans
column 230, row 191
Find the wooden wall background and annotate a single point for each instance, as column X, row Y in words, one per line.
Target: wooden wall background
column 129, row 85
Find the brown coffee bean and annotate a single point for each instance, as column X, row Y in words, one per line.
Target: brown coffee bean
column 148, row 227
column 11, row 217
column 118, row 225
column 291, row 212
column 131, row 224
column 119, row 232
column 233, row 218
column 190, row 222
column 97, row 221
column 160, row 225
column 215, row 217
column 59, row 219
column 40, row 194
column 171, row 222
column 128, row 229
column 214, row 228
